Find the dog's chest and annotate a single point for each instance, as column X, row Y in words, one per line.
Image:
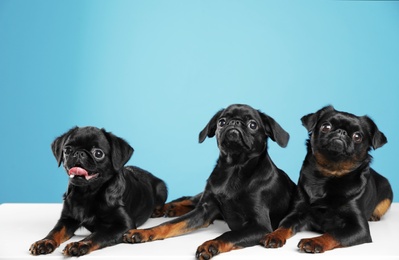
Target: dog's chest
column 230, row 192
column 227, row 184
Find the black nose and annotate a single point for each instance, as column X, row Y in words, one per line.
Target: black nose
column 341, row 132
column 235, row 122
column 79, row 154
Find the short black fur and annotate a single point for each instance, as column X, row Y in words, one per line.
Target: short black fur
column 245, row 188
column 103, row 195
column 338, row 191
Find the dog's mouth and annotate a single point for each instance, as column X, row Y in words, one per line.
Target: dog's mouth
column 78, row 172
column 233, row 137
column 337, row 145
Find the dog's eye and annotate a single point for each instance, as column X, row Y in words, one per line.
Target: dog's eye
column 325, row 128
column 222, row 122
column 253, row 125
column 98, row 153
column 67, row 150
column 357, row 137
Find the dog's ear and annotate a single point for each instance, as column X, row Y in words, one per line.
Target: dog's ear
column 210, row 128
column 378, row 139
column 274, row 130
column 57, row 145
column 121, row 151
column 309, row 121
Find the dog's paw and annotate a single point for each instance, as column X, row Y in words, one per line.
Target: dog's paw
column 138, row 236
column 318, row 244
column 272, row 241
column 310, row 245
column 42, row 247
column 176, row 209
column 207, row 250
column 158, row 212
column 213, row 247
column 78, row 248
column 277, row 238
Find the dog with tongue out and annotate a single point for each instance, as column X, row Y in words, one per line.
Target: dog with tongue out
column 104, row 196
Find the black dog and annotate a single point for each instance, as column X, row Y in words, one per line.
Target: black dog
column 245, row 188
column 103, row 196
column 338, row 192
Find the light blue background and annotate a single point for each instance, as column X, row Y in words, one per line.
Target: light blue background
column 155, row 72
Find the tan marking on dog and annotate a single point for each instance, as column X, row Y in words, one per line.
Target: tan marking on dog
column 170, row 230
column 278, row 237
column 60, row 236
column 178, row 208
column 337, row 169
column 163, row 231
column 380, row 210
column 323, row 243
column 214, row 247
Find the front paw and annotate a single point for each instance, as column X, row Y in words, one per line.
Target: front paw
column 78, row 248
column 42, row 247
column 207, row 250
column 277, row 238
column 272, row 241
column 213, row 247
column 178, row 209
column 319, row 244
column 310, row 245
column 138, row 236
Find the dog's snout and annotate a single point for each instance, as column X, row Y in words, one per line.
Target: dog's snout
column 235, row 122
column 342, row 132
column 80, row 154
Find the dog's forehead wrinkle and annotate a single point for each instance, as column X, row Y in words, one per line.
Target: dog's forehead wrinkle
column 239, row 113
column 89, row 139
column 343, row 121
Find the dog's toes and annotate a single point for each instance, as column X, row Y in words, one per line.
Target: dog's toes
column 42, row 247
column 78, row 249
column 206, row 253
column 271, row 242
column 213, row 247
column 310, row 246
column 158, row 212
column 207, row 250
column 137, row 236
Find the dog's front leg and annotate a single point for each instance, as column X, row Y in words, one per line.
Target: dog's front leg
column 93, row 242
column 63, row 230
column 103, row 236
column 231, row 240
column 201, row 216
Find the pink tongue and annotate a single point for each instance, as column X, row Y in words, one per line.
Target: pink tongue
column 78, row 171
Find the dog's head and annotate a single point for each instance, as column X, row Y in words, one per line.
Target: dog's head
column 90, row 155
column 240, row 129
column 341, row 141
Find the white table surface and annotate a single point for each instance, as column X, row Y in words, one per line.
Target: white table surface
column 23, row 224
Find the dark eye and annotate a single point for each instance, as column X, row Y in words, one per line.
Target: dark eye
column 357, row 137
column 98, row 153
column 325, row 128
column 253, row 125
column 222, row 122
column 67, row 150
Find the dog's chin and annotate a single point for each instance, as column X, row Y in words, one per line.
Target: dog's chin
column 79, row 176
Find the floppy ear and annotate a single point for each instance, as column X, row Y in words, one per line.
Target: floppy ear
column 210, row 128
column 274, row 130
column 121, row 151
column 57, row 145
column 378, row 139
column 309, row 121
